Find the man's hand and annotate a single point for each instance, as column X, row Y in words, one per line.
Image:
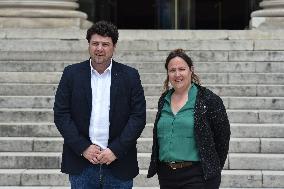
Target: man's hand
column 106, row 156
column 91, row 153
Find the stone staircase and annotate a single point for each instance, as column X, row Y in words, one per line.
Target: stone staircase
column 246, row 68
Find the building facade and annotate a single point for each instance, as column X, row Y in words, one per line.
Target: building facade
column 150, row 14
column 172, row 14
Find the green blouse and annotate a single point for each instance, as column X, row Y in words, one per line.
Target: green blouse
column 176, row 132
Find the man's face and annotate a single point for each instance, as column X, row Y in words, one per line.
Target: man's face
column 101, row 50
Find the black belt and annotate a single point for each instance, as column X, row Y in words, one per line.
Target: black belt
column 179, row 165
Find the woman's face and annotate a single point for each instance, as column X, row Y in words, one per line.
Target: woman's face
column 179, row 73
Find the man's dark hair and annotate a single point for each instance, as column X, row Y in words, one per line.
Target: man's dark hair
column 105, row 29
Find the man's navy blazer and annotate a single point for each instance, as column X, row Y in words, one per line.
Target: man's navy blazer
column 127, row 116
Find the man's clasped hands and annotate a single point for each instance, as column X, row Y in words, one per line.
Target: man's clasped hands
column 96, row 155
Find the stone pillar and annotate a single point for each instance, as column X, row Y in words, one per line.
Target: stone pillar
column 41, row 14
column 271, row 16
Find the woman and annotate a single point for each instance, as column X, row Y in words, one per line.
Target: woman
column 191, row 131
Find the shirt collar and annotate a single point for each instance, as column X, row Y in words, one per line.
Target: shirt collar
column 95, row 71
column 169, row 95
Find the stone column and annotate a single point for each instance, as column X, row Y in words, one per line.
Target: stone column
column 271, row 16
column 41, row 14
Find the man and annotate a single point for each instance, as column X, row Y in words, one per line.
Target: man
column 100, row 110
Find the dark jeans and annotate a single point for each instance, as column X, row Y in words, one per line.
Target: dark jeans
column 186, row 178
column 98, row 177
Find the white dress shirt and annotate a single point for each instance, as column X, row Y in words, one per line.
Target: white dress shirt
column 99, row 121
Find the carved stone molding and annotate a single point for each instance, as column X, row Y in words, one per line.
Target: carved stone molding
column 271, row 16
column 41, row 14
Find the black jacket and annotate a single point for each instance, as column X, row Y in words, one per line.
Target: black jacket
column 127, row 116
column 211, row 130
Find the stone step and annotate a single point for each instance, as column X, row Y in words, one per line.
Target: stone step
column 52, row 160
column 28, row 130
column 53, row 177
column 228, row 90
column 148, row 56
column 31, row 144
column 213, row 67
column 252, row 179
column 238, row 130
column 256, row 55
column 137, row 45
column 142, row 35
column 43, row 55
column 200, row 56
column 148, row 67
column 26, row 101
column 34, row 66
column 193, row 45
column 238, row 67
column 30, row 77
column 151, row 78
column 221, row 78
column 235, row 116
column 250, row 161
column 149, row 90
column 30, row 160
column 275, row 103
column 241, row 116
column 256, row 145
column 231, row 45
column 39, row 33
column 201, row 34
column 27, row 89
column 43, row 45
column 54, row 144
column 241, row 130
column 257, row 130
column 26, row 115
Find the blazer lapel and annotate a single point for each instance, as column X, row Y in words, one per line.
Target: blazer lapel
column 115, row 77
column 86, row 82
